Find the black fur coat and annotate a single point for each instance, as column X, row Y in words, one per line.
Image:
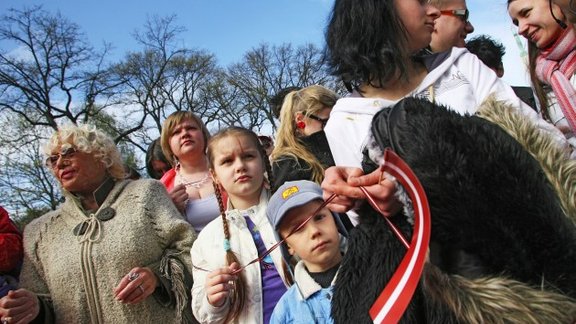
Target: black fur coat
column 495, row 218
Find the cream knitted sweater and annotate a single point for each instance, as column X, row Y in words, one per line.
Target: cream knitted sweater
column 74, row 275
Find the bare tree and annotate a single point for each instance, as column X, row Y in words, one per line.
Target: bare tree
column 26, row 185
column 267, row 69
column 52, row 74
column 164, row 77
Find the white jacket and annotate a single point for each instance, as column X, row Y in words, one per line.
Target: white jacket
column 557, row 116
column 461, row 82
column 208, row 253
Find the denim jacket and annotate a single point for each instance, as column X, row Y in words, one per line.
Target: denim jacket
column 305, row 302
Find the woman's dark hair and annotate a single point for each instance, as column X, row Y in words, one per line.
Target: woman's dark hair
column 366, row 43
column 154, row 153
column 277, row 100
column 537, row 85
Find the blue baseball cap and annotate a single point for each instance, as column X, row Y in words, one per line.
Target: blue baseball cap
column 294, row 194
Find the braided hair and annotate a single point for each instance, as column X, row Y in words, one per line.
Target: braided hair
column 238, row 296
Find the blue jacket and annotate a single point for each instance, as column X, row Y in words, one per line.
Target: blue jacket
column 305, row 302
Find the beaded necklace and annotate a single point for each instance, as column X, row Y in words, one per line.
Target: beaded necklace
column 192, row 183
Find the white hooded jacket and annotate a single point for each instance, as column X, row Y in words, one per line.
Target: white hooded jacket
column 208, row 254
column 457, row 79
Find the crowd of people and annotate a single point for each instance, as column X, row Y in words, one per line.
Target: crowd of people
column 241, row 227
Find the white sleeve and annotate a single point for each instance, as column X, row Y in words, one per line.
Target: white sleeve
column 201, row 265
column 485, row 82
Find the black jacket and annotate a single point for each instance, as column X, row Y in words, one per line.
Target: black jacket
column 493, row 212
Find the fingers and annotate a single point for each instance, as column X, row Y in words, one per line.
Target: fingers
column 345, row 183
column 383, row 194
column 366, row 179
column 179, row 196
column 336, row 181
column 340, row 204
column 136, row 286
column 20, row 306
column 19, row 319
column 137, row 295
column 219, row 283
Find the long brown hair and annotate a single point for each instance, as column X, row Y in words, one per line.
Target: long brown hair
column 238, row 298
column 539, row 91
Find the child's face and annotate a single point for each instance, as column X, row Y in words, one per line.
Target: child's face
column 317, row 243
column 239, row 168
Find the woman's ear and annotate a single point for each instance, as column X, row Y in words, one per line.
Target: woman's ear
column 298, row 116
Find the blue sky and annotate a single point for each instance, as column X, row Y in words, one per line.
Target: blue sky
column 224, row 27
column 228, row 28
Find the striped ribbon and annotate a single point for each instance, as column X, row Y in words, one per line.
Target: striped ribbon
column 394, row 299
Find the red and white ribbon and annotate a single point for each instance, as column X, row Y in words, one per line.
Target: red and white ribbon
column 394, row 299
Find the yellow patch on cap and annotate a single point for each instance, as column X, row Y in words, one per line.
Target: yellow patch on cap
column 289, row 192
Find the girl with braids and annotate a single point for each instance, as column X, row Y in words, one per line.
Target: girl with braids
column 242, row 233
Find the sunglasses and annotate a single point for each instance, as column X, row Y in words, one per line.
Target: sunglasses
column 322, row 121
column 463, row 14
column 66, row 154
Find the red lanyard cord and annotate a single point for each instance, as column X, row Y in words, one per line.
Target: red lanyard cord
column 296, row 229
column 393, row 227
column 273, row 247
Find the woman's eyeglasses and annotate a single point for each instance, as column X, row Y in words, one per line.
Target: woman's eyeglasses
column 322, row 121
column 65, row 154
column 463, row 14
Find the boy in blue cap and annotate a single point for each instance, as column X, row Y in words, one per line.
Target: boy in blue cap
column 316, row 244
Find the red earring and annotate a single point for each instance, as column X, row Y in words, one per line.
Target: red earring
column 300, row 124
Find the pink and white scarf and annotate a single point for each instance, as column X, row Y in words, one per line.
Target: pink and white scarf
column 555, row 67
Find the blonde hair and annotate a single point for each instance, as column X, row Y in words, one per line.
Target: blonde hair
column 238, row 298
column 88, row 139
column 307, row 101
column 175, row 119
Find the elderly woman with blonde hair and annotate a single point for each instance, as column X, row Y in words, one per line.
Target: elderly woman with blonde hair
column 115, row 251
